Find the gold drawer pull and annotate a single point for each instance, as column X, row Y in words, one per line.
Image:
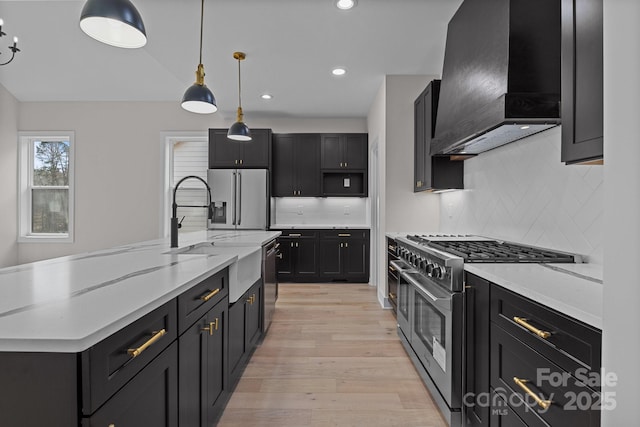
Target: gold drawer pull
column 210, row 295
column 393, row 270
column 213, row 326
column 544, row 404
column 135, row 352
column 344, row 234
column 392, row 248
column 295, row 235
column 523, row 322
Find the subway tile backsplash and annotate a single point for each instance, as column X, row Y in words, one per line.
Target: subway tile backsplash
column 523, row 193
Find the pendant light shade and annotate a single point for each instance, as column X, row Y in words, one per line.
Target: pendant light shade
column 198, row 98
column 239, row 131
column 113, row 22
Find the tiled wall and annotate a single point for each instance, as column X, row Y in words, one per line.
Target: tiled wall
column 522, row 192
column 309, row 211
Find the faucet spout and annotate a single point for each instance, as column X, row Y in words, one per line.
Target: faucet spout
column 175, row 224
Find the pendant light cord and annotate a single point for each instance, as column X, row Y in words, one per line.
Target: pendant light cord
column 239, row 87
column 201, row 28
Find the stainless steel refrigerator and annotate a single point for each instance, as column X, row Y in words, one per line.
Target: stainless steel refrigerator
column 240, row 198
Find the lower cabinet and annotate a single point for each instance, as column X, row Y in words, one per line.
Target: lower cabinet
column 203, row 368
column 149, row 399
column 324, row 255
column 245, row 329
column 526, row 364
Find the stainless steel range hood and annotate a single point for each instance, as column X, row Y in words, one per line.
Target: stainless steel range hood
column 501, row 75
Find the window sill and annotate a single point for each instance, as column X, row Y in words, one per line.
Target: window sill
column 46, row 238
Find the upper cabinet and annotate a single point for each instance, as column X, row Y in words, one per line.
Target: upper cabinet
column 227, row 153
column 296, row 165
column 431, row 172
column 344, row 151
column 582, row 81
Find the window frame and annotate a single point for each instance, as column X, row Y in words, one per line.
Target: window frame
column 25, row 186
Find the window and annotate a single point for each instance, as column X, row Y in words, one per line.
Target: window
column 46, row 187
column 187, row 154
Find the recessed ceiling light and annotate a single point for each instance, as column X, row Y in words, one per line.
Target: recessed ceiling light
column 339, row 71
column 266, row 96
column 345, row 4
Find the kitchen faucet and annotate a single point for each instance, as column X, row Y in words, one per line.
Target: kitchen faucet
column 175, row 225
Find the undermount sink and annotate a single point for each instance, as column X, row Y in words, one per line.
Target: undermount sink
column 204, row 248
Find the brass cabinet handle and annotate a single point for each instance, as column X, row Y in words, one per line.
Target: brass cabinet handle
column 419, row 184
column 252, row 299
column 240, row 161
column 342, row 245
column 523, row 322
column 392, row 248
column 344, row 234
column 392, row 295
column 135, row 352
column 213, row 326
column 279, row 255
column 544, row 404
column 295, row 235
column 210, row 295
column 393, row 270
column 235, row 162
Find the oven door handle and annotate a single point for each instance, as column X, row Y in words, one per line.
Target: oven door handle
column 401, row 266
column 443, row 303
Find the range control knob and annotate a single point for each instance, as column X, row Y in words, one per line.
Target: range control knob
column 439, row 272
column 430, row 268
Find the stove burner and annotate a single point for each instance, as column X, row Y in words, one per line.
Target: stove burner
column 495, row 251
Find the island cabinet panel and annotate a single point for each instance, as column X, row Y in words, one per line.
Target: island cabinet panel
column 203, row 368
column 582, row 81
column 149, row 399
column 38, row 389
column 227, row 153
column 195, row 302
column 245, row 330
column 110, row 364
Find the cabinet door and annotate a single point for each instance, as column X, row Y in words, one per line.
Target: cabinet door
column 356, row 151
column 419, row 144
column 149, row 399
column 582, row 80
column 306, row 165
column 223, row 152
column 285, row 262
column 331, row 258
column 203, row 366
column 256, row 153
column 477, row 362
column 306, row 264
column 237, row 338
column 282, row 178
column 252, row 321
column 355, row 259
column 332, row 155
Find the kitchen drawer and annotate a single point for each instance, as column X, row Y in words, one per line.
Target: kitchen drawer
column 572, row 403
column 344, row 234
column 110, row 364
column 572, row 345
column 312, row 234
column 195, row 302
column 149, row 399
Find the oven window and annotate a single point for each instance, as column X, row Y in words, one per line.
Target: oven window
column 429, row 323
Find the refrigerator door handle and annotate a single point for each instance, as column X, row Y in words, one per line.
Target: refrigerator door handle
column 239, row 197
column 233, row 220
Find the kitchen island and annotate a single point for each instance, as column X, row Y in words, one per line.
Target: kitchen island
column 99, row 336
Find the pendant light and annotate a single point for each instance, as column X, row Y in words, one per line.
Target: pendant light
column 198, row 98
column 239, row 131
column 114, row 22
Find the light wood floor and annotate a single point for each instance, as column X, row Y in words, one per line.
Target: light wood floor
column 331, row 358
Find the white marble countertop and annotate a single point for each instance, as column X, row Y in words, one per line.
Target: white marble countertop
column 70, row 303
column 573, row 289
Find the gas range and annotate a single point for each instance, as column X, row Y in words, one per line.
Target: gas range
column 441, row 257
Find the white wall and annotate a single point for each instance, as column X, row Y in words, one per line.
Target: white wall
column 390, row 122
column 523, row 193
column 8, row 178
column 119, row 164
column 621, row 340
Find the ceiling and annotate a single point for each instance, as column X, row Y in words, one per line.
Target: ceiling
column 291, row 47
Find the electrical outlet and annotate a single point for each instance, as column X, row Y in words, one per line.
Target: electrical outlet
column 300, row 211
column 347, row 210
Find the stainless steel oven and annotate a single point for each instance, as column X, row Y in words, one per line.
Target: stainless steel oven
column 404, row 297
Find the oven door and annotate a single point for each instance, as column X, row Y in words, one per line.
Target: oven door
column 436, row 335
column 404, row 298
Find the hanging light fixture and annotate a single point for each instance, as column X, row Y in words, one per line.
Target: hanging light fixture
column 114, row 22
column 13, row 48
column 198, row 98
column 239, row 131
